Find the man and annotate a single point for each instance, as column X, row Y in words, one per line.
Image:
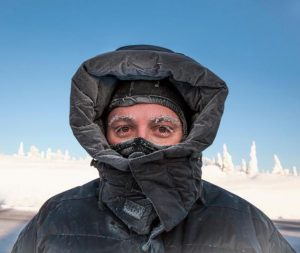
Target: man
column 145, row 114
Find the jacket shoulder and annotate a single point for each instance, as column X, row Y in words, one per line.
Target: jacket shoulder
column 58, row 207
column 76, row 212
column 242, row 217
column 27, row 239
column 214, row 196
column 88, row 190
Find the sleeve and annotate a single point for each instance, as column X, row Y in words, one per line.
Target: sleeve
column 26, row 242
column 270, row 239
column 278, row 244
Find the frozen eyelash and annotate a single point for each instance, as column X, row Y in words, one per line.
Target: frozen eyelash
column 169, row 129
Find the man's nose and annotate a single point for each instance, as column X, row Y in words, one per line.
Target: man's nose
column 143, row 132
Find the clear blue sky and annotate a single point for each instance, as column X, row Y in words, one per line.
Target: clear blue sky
column 253, row 45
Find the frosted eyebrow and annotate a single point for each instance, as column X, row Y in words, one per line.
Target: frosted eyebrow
column 166, row 118
column 127, row 118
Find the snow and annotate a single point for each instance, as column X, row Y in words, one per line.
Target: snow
column 27, row 181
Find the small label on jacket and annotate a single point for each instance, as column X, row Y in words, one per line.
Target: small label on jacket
column 133, row 209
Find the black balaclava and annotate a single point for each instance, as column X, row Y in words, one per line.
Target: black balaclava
column 136, row 147
column 160, row 92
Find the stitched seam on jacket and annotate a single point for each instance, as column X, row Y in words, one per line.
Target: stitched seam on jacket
column 206, row 246
column 88, row 235
column 252, row 216
column 228, row 207
column 73, row 198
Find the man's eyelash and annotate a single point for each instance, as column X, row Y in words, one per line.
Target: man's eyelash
column 170, row 129
column 120, row 127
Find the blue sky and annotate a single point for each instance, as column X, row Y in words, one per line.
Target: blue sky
column 252, row 45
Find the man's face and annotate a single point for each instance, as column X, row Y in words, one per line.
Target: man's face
column 155, row 123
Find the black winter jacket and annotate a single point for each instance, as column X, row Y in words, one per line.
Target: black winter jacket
column 219, row 222
column 155, row 203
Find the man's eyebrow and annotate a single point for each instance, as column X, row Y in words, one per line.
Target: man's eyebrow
column 166, row 118
column 127, row 118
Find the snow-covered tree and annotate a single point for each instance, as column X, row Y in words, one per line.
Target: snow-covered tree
column 295, row 172
column 49, row 154
column 21, row 149
column 219, row 161
column 227, row 161
column 66, row 155
column 59, row 155
column 213, row 160
column 33, row 152
column 277, row 169
column 252, row 168
column 244, row 166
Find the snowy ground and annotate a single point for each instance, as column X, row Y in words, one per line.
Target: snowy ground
column 27, row 183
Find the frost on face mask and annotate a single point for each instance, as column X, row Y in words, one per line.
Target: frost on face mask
column 136, row 147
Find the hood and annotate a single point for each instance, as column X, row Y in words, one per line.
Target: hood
column 95, row 81
column 168, row 179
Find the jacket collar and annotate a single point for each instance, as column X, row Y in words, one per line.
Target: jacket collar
column 169, row 185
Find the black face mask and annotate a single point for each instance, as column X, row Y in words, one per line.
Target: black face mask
column 136, row 147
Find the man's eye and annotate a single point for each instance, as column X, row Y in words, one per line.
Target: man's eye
column 122, row 130
column 164, row 131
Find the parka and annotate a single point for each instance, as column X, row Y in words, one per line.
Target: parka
column 156, row 203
